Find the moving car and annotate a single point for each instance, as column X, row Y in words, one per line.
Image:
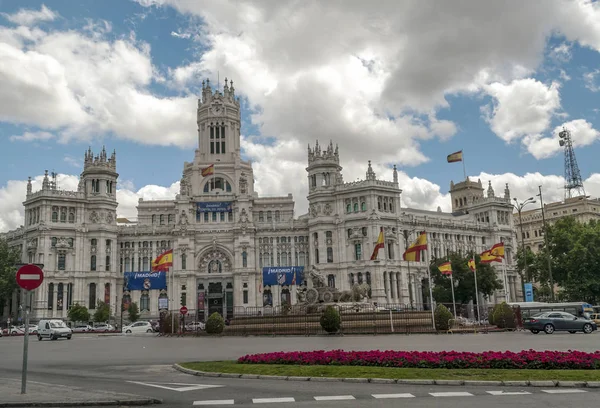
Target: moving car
column 138, row 327
column 103, row 327
column 82, row 328
column 53, row 329
column 549, row 322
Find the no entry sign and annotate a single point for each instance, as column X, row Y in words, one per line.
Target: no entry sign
column 30, row 277
column 183, row 310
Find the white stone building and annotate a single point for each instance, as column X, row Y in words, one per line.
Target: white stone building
column 219, row 255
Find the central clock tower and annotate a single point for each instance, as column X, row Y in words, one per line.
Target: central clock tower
column 219, row 122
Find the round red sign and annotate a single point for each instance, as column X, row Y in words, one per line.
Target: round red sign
column 183, row 310
column 30, row 277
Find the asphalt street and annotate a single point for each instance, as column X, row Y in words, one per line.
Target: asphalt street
column 142, row 365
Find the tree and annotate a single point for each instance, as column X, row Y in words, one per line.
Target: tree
column 575, row 258
column 78, row 313
column 102, row 313
column 215, row 324
column 330, row 320
column 9, row 257
column 442, row 318
column 134, row 312
column 464, row 279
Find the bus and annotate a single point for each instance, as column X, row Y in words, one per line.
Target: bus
column 579, row 309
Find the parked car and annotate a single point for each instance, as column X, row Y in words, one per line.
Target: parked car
column 138, row 327
column 53, row 329
column 82, row 328
column 194, row 326
column 549, row 322
column 103, row 327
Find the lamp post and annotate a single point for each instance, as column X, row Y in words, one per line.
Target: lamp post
column 519, row 207
column 546, row 244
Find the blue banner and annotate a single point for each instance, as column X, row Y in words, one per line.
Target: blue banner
column 283, row 275
column 145, row 280
column 528, row 292
column 214, row 206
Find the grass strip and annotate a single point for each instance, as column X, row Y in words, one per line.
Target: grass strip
column 394, row 373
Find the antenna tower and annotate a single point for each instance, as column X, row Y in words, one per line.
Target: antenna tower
column 573, row 181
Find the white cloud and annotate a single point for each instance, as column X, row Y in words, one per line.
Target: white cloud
column 522, row 108
column 29, row 17
column 582, row 133
column 32, row 136
column 590, row 80
column 73, row 161
column 561, row 53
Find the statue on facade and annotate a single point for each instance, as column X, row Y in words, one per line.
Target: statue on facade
column 317, row 278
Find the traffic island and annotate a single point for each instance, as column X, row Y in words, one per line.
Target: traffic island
column 51, row 395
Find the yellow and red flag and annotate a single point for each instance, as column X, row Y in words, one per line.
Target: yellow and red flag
column 498, row 250
column 380, row 244
column 207, row 171
column 163, row 261
column 446, row 268
column 471, row 264
column 455, row 157
column 413, row 253
column 487, row 257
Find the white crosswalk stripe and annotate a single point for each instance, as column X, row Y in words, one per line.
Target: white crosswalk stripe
column 214, row 402
column 272, row 400
column 334, row 398
column 451, row 394
column 391, row 396
column 564, row 391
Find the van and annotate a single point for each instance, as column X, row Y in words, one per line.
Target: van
column 53, row 329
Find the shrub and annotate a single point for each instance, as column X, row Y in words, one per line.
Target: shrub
column 330, row 320
column 442, row 318
column 526, row 359
column 504, row 316
column 215, row 324
column 491, row 316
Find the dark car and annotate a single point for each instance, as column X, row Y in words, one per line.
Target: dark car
column 549, row 322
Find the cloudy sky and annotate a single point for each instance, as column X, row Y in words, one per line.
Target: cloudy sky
column 393, row 82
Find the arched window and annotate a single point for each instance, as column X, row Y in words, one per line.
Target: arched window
column 269, row 216
column 360, row 278
column 153, row 218
column 145, row 302
column 145, row 263
column 217, row 183
column 363, row 206
column 92, row 297
column 355, row 207
column 54, row 216
column 53, row 241
column 348, row 208
column 277, row 215
column 162, row 219
column 71, row 215
column 261, row 216
column 244, row 259
column 331, row 281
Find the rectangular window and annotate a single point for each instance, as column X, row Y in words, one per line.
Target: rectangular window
column 222, row 147
column 329, row 254
column 62, row 261
column 183, row 262
column 205, row 217
column 390, row 250
column 212, row 147
column 218, row 150
column 357, row 252
column 245, row 297
column 107, row 263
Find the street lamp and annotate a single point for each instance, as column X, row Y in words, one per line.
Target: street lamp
column 546, row 244
column 519, row 207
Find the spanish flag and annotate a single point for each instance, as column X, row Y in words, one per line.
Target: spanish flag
column 380, row 244
column 498, row 250
column 455, row 157
column 413, row 253
column 163, row 261
column 207, row 171
column 487, row 257
column 471, row 264
column 446, row 268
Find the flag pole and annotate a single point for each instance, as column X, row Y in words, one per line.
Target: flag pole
column 169, row 269
column 476, row 290
column 453, row 300
column 506, row 289
column 464, row 166
column 431, row 295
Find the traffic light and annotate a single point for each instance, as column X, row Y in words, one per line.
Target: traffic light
column 183, row 299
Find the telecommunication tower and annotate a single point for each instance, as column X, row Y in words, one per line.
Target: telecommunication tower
column 573, row 181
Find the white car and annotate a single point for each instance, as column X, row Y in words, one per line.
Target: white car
column 82, row 328
column 104, row 327
column 138, row 327
column 53, row 329
column 194, row 326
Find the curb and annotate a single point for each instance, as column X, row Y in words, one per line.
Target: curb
column 563, row 384
column 100, row 403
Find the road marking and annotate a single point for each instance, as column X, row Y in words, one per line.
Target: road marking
column 187, row 387
column 270, row 400
column 214, row 402
column 508, row 392
column 387, row 396
column 450, row 394
column 334, row 398
column 564, row 391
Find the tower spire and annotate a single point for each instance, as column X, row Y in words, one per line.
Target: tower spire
column 573, row 181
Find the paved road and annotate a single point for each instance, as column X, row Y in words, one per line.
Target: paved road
column 142, row 365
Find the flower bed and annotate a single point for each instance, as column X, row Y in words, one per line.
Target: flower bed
column 526, row 359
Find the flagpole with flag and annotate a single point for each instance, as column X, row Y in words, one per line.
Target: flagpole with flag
column 474, row 269
column 413, row 253
column 378, row 245
column 498, row 251
column 458, row 157
column 446, row 269
column 164, row 262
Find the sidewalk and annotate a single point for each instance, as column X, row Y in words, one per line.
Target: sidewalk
column 50, row 395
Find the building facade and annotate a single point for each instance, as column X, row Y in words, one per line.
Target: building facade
column 530, row 225
column 223, row 233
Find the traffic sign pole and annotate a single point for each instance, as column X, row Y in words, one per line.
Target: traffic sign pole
column 29, row 277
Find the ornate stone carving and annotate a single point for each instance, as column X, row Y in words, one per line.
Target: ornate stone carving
column 328, row 209
column 183, row 220
column 314, row 211
column 109, row 217
column 62, row 243
column 243, row 216
column 243, row 184
column 94, row 217
column 215, row 255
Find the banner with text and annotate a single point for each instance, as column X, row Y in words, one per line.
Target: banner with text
column 283, row 275
column 215, row 206
column 145, row 280
column 528, row 292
